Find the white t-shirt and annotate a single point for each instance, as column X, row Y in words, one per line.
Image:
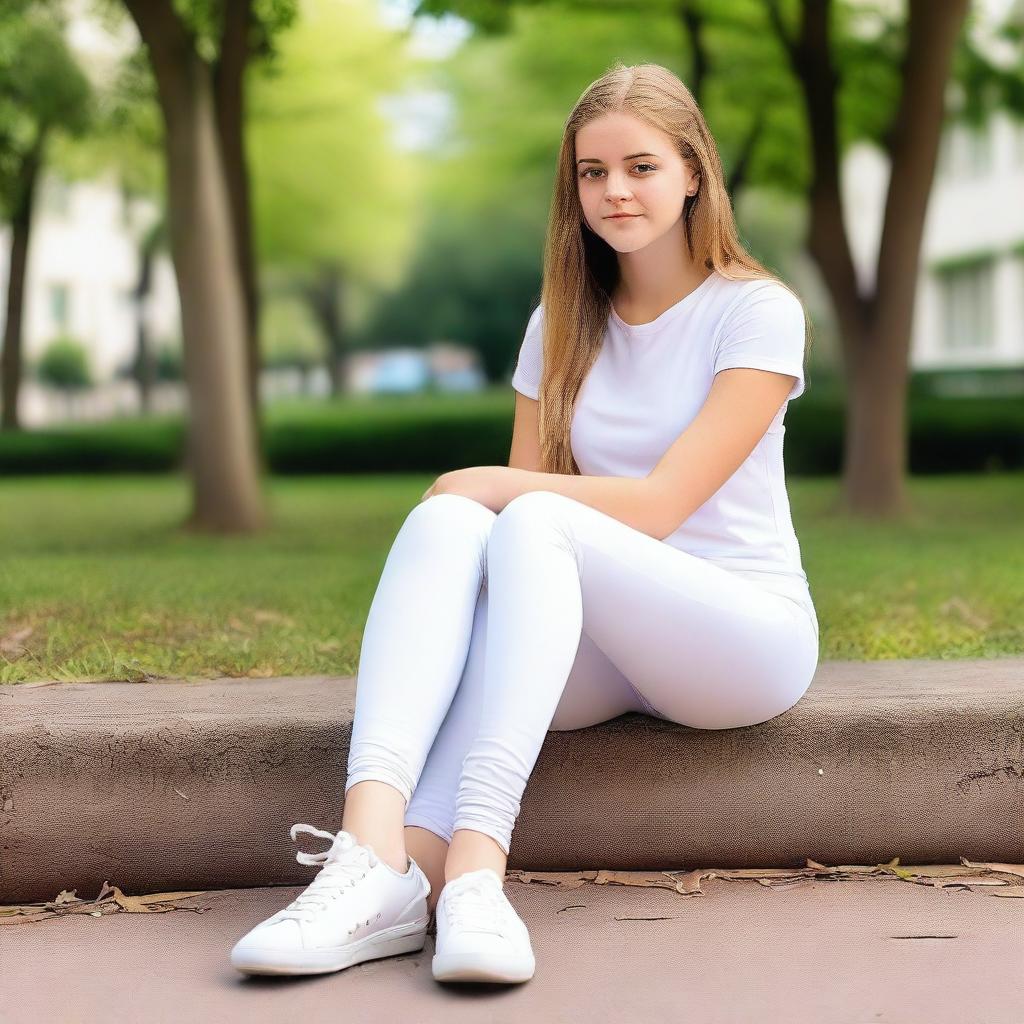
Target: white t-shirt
column 648, row 383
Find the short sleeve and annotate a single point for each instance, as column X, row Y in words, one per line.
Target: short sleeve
column 527, row 375
column 764, row 329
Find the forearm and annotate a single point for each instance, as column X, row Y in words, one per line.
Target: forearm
column 627, row 499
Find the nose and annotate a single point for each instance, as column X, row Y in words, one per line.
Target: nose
column 617, row 187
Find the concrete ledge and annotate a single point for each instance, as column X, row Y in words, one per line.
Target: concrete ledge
column 169, row 786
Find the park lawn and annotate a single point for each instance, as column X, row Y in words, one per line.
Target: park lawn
column 97, row 583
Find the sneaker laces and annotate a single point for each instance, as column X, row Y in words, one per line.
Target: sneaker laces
column 477, row 906
column 344, row 864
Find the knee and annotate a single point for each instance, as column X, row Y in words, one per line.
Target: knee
column 533, row 505
column 529, row 513
column 454, row 513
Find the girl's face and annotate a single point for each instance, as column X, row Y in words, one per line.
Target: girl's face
column 625, row 165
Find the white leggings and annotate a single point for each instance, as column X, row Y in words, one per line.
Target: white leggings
column 487, row 630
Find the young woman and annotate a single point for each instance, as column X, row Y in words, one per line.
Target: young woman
column 637, row 554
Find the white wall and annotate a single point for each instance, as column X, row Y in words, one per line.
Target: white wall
column 976, row 207
column 81, row 244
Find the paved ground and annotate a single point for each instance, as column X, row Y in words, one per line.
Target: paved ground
column 879, row 950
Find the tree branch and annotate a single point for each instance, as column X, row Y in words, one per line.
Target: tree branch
column 168, row 40
column 693, row 27
column 781, row 32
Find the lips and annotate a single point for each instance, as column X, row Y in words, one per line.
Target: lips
column 621, row 216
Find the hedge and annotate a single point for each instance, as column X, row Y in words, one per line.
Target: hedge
column 423, row 435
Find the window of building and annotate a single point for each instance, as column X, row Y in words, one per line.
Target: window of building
column 59, row 303
column 943, row 168
column 978, row 143
column 966, row 293
column 965, row 151
column 56, row 196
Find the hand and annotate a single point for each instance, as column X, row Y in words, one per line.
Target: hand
column 490, row 485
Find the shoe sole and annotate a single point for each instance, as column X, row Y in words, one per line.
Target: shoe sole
column 402, row 938
column 479, row 967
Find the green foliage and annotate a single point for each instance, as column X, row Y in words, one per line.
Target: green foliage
column 169, row 363
column 986, row 83
column 867, row 47
column 127, row 132
column 289, row 335
column 964, row 260
column 748, row 71
column 64, row 364
column 490, row 17
column 42, row 90
column 205, row 21
column 149, row 445
column 475, row 281
column 329, row 184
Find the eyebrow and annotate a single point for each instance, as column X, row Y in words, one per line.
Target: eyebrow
column 632, row 156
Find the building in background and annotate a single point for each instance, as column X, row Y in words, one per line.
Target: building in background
column 83, row 268
column 969, row 315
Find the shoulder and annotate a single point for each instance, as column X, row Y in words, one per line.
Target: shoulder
column 762, row 297
column 529, row 366
column 534, row 324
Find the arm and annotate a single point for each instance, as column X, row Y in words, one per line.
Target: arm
column 525, row 452
column 739, row 409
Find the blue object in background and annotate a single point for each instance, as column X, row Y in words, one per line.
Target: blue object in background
column 400, row 372
column 469, row 378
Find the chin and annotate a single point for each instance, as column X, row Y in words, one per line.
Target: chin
column 632, row 245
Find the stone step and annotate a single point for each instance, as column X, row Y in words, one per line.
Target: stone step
column 195, row 785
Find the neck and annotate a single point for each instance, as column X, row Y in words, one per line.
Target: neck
column 660, row 274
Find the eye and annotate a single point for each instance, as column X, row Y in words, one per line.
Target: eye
column 586, row 173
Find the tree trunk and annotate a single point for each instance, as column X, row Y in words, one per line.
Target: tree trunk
column 221, row 444
column 875, row 330
column 875, row 441
column 875, row 455
column 324, row 296
column 229, row 97
column 694, row 25
column 21, row 230
column 145, row 361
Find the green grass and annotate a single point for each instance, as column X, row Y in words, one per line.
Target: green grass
column 97, row 582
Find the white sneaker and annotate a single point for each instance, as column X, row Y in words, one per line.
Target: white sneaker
column 356, row 908
column 480, row 937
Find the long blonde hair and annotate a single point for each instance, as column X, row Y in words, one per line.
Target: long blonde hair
column 581, row 269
